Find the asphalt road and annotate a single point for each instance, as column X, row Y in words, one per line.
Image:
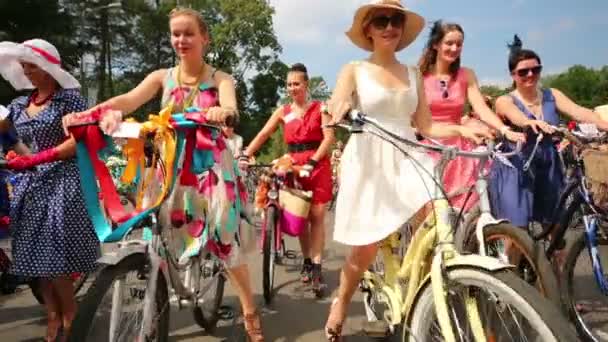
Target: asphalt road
column 295, row 314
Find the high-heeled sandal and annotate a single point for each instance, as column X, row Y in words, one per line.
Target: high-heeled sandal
column 334, row 334
column 253, row 327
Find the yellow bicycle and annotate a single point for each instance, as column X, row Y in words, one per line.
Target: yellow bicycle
column 438, row 294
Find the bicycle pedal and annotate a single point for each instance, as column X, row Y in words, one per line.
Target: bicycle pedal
column 376, row 329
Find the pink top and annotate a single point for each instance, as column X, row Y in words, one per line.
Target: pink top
column 451, row 108
column 447, row 106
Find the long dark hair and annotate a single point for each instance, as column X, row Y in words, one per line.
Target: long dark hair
column 429, row 56
column 517, row 53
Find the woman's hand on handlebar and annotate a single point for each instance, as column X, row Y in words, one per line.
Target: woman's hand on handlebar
column 475, row 133
column 243, row 162
column 220, row 115
column 108, row 119
column 517, row 137
column 539, row 126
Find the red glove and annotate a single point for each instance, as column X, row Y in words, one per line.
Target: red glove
column 29, row 161
column 11, row 155
column 5, row 221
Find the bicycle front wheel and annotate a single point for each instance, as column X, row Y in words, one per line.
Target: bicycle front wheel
column 509, row 310
column 583, row 297
column 113, row 307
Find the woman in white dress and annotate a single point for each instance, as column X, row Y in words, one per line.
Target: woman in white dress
column 381, row 188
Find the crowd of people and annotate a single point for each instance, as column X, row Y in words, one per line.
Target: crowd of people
column 53, row 236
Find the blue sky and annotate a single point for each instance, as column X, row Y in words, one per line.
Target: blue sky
column 562, row 32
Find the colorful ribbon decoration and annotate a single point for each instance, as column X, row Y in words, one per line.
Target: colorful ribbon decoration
column 91, row 142
column 175, row 134
column 164, row 135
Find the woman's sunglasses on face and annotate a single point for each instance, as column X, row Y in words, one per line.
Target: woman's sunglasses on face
column 381, row 22
column 526, row 71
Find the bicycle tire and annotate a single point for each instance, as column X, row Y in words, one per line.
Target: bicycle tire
column 268, row 262
column 87, row 309
column 577, row 247
column 208, row 316
column 546, row 281
column 548, row 321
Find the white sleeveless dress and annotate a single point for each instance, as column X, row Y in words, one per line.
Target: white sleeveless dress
column 380, row 187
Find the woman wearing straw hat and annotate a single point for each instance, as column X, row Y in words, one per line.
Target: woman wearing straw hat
column 52, row 234
column 366, row 211
column 192, row 83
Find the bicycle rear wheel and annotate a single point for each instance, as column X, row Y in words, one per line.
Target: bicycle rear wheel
column 208, row 286
column 112, row 309
column 268, row 249
column 583, row 298
column 498, row 295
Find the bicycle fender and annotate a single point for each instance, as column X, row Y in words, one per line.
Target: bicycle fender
column 485, row 220
column 466, row 261
column 115, row 256
column 477, row 261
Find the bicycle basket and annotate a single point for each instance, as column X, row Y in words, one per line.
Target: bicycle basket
column 295, row 205
column 597, row 178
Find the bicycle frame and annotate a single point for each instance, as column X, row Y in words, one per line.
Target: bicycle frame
column 150, row 248
column 430, row 252
column 576, row 187
column 272, row 200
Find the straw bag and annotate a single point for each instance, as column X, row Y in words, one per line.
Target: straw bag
column 295, row 206
column 595, row 161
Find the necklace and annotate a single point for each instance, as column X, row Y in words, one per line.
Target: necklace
column 536, row 104
column 194, row 90
column 43, row 101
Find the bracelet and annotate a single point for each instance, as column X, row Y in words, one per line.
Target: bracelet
column 312, row 162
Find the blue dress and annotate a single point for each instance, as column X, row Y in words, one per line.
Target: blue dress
column 532, row 195
column 51, row 230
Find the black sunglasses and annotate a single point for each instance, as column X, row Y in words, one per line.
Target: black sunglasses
column 381, row 22
column 526, row 71
column 443, row 85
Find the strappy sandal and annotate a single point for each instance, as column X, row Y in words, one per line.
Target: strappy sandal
column 253, row 327
column 334, row 334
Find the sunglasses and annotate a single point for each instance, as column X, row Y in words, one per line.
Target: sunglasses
column 526, row 71
column 381, row 22
column 443, row 86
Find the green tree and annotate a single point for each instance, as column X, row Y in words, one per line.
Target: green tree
column 27, row 19
column 585, row 86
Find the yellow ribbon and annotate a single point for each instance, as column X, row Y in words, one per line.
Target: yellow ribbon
column 164, row 136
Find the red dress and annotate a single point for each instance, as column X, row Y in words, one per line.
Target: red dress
column 307, row 131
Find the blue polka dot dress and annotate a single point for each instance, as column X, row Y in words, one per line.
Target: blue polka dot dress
column 51, row 230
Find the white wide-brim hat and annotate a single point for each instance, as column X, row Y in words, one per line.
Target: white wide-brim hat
column 35, row 51
column 414, row 24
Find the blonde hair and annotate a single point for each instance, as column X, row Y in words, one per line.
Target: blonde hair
column 180, row 11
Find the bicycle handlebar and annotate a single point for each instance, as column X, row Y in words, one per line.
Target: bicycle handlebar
column 359, row 120
column 132, row 129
